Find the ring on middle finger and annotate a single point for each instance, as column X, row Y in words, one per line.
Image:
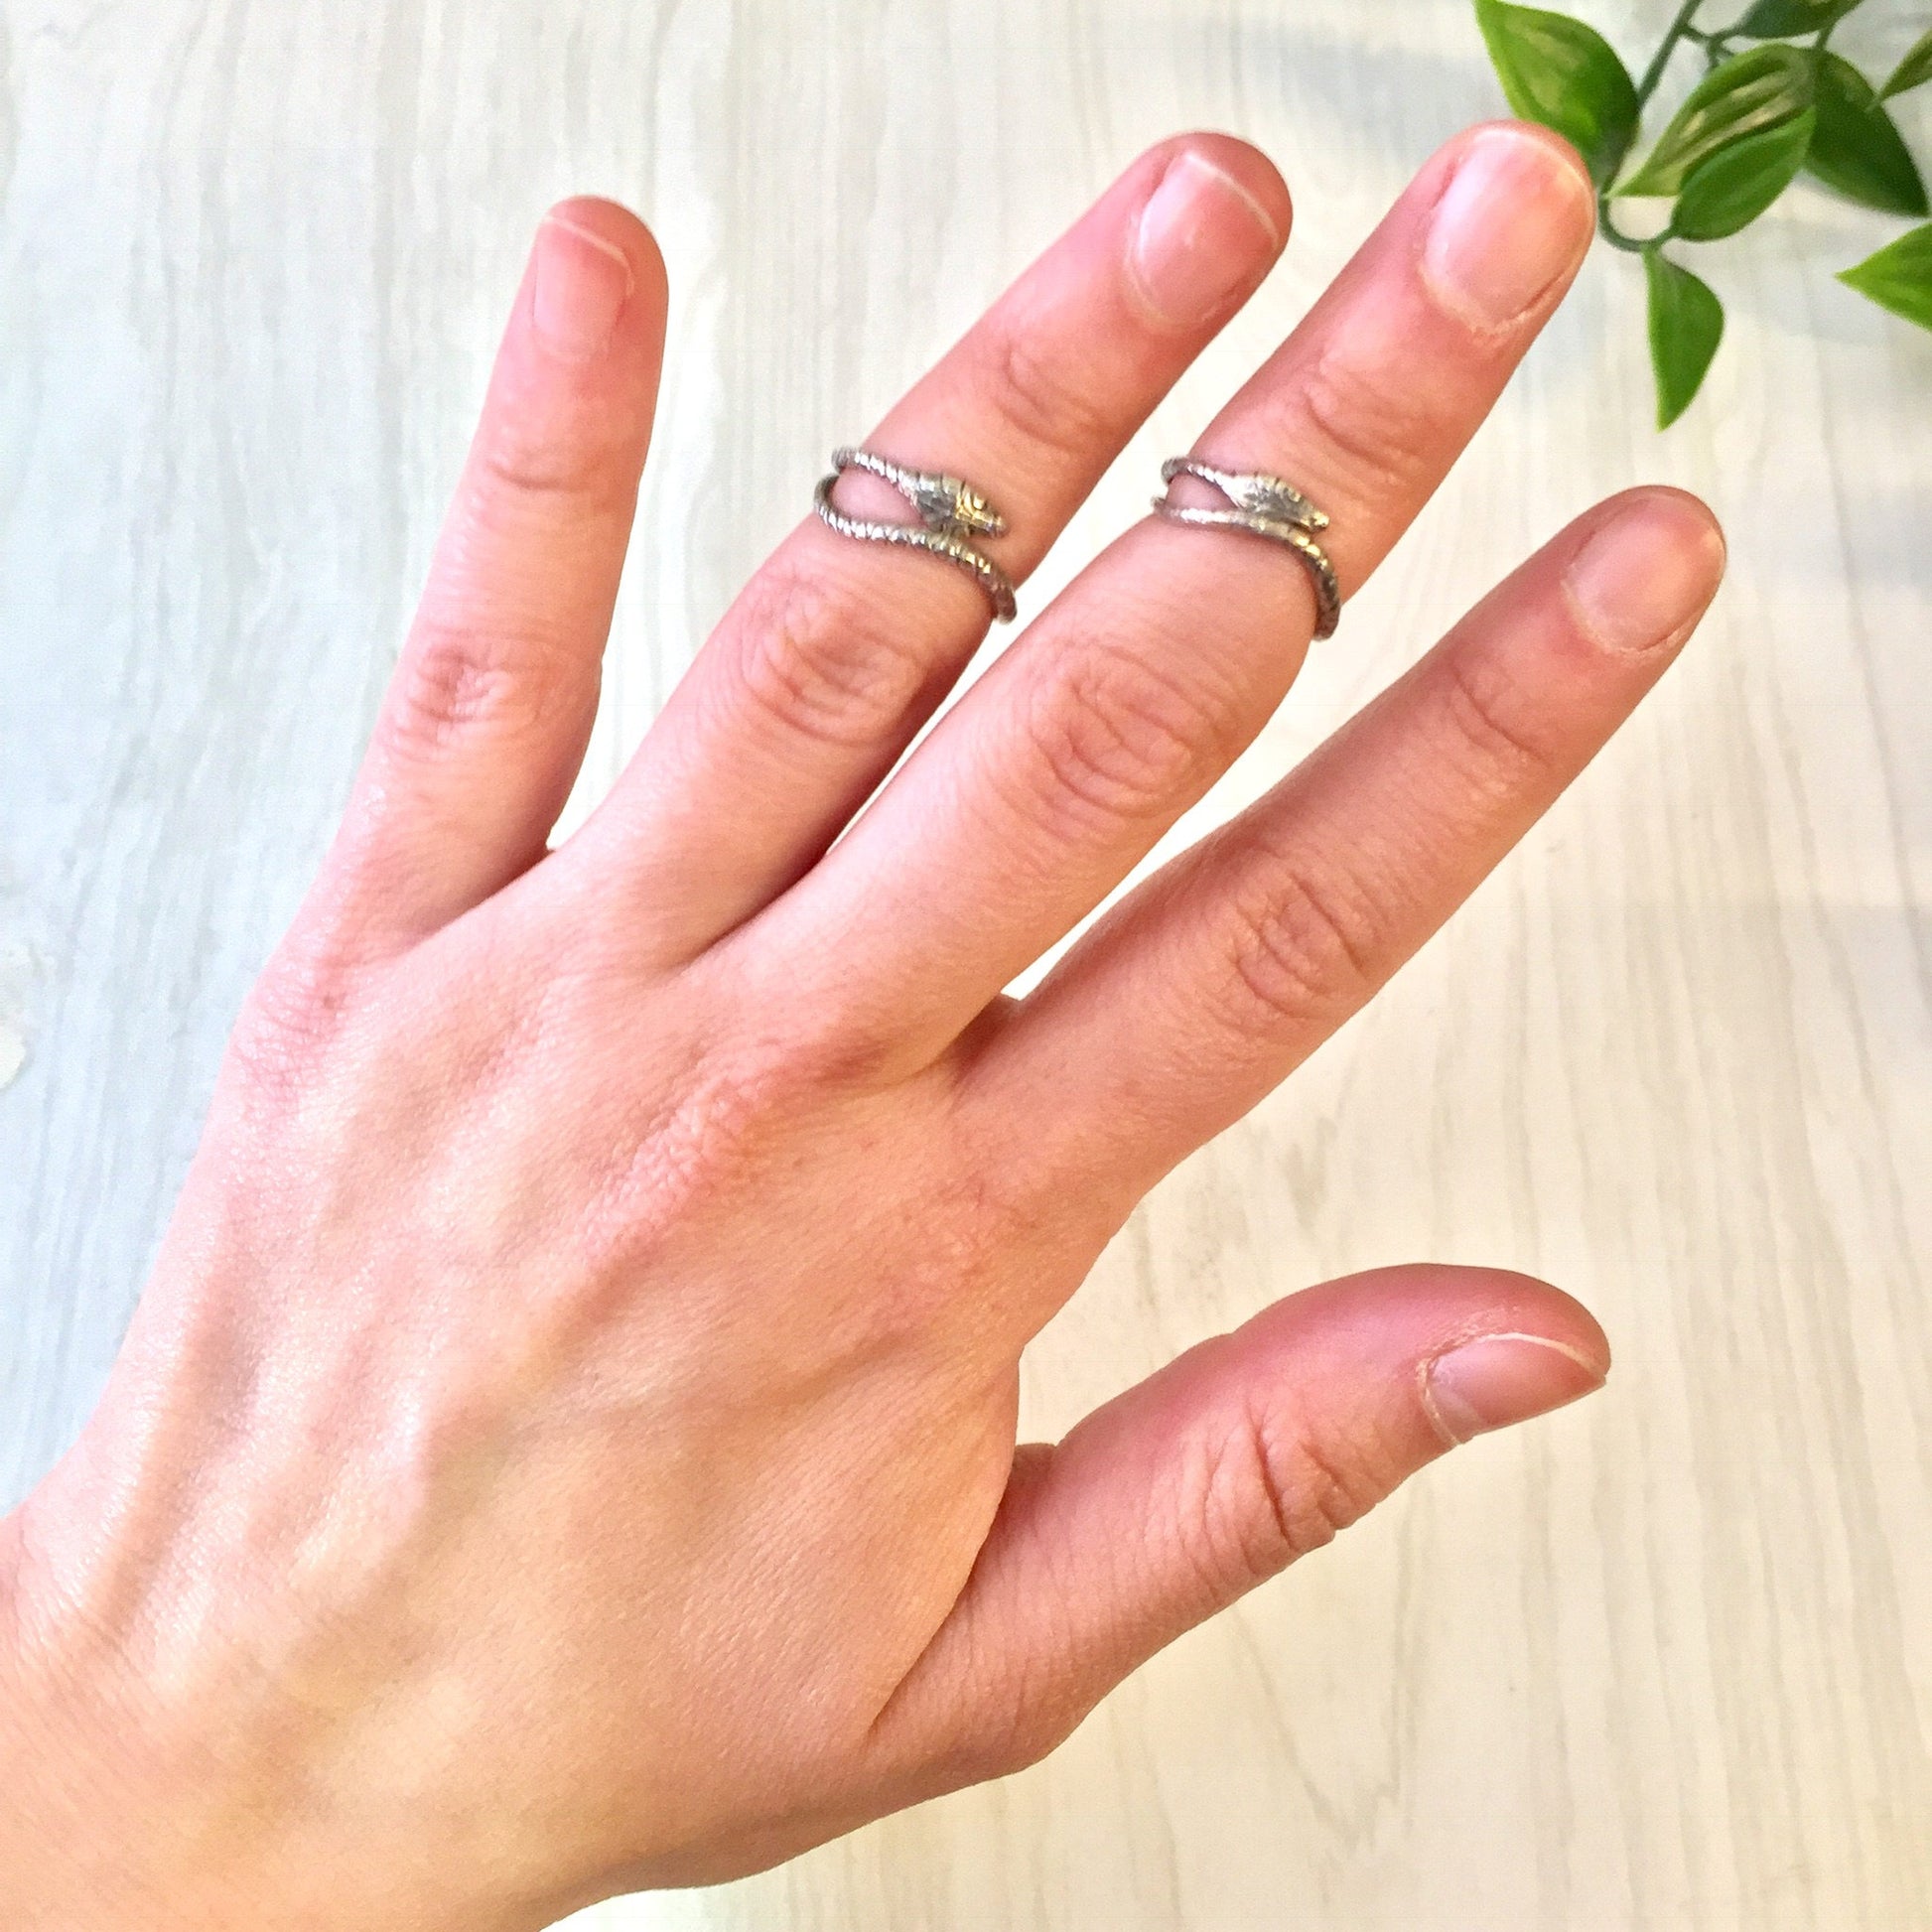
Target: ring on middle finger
column 1265, row 507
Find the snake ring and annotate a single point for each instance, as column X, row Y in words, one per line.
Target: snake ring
column 950, row 513
column 1267, row 507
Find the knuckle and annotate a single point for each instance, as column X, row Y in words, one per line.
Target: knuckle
column 1272, row 1492
column 463, row 680
column 1304, row 947
column 522, row 460
column 1113, row 737
column 692, row 1145
column 290, row 1023
column 1380, row 428
column 719, row 1120
column 847, row 1041
column 816, row 660
column 982, row 1218
column 1492, row 743
column 1039, row 398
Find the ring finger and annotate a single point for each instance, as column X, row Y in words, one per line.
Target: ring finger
column 1128, row 698
column 838, row 651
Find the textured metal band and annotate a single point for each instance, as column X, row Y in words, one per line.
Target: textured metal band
column 950, row 513
column 1265, row 507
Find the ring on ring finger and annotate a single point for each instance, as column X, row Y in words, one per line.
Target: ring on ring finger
column 951, row 513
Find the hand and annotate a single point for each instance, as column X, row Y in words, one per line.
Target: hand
column 567, row 1443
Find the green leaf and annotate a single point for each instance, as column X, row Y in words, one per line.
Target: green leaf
column 1914, row 71
column 1767, row 88
column 1687, row 323
column 1772, row 20
column 1739, row 182
column 1899, row 277
column 1564, row 75
column 1859, row 149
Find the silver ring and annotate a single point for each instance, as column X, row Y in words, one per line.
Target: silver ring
column 1267, row 507
column 950, row 513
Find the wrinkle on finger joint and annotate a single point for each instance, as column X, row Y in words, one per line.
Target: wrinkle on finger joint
column 1118, row 740
column 818, row 665
column 1375, row 412
column 459, row 681
column 1306, row 947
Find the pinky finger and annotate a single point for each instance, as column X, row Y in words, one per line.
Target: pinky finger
column 485, row 720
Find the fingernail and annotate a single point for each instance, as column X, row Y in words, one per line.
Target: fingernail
column 1203, row 239
column 581, row 285
column 1647, row 574
column 1516, row 220
column 1502, row 1380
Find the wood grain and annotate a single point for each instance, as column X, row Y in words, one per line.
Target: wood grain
column 1663, row 1662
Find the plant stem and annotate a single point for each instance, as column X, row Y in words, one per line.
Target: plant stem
column 1683, row 28
column 1680, row 27
column 1722, row 36
column 1607, row 226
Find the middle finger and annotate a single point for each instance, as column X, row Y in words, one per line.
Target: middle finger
column 1135, row 691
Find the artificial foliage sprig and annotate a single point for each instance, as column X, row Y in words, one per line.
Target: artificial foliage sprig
column 1775, row 100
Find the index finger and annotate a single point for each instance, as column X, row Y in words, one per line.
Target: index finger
column 1210, row 983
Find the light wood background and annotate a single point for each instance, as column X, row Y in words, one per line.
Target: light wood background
column 1663, row 1662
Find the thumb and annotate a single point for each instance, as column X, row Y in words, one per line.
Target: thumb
column 1182, row 1494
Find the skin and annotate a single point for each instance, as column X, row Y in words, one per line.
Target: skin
column 568, row 1442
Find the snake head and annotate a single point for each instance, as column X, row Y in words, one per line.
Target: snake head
column 1277, row 501
column 955, row 508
